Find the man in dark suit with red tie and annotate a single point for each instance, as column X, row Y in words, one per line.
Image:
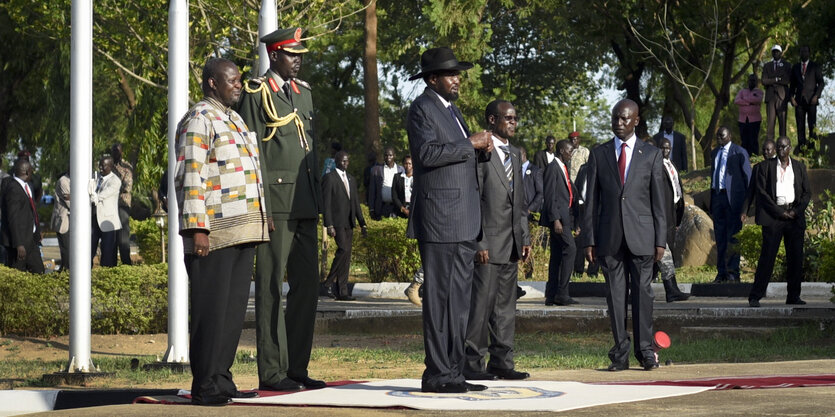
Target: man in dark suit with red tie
column 627, row 230
column 558, row 209
column 805, row 90
column 782, row 196
column 341, row 212
column 445, row 216
column 21, row 231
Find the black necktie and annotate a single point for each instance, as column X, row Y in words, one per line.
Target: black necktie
column 286, row 89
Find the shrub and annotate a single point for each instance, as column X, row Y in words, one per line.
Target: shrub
column 147, row 239
column 125, row 299
column 386, row 251
column 749, row 245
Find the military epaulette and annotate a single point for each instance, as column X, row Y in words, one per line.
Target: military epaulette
column 302, row 83
column 256, row 81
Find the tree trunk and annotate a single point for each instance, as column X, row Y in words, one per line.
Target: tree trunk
column 372, row 89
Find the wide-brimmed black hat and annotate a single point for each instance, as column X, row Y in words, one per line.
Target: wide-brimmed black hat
column 437, row 60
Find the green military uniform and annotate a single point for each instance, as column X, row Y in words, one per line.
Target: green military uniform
column 284, row 126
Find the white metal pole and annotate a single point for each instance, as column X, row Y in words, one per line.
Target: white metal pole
column 267, row 23
column 81, row 149
column 178, row 60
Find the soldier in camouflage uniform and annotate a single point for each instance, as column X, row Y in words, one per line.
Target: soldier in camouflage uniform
column 279, row 108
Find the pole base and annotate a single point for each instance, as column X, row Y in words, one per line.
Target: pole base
column 175, row 367
column 73, row 378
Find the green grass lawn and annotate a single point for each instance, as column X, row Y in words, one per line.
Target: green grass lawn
column 402, row 357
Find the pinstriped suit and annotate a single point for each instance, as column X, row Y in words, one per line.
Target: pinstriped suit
column 446, row 220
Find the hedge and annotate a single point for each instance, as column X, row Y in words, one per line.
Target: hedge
column 125, row 299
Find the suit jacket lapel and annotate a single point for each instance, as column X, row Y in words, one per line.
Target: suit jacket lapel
column 609, row 157
column 498, row 166
column 445, row 117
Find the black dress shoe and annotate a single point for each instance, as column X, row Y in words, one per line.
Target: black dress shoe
column 474, row 387
column 649, row 363
column 310, row 383
column 618, row 366
column 345, row 298
column 241, row 394
column 565, row 301
column 520, row 292
column 549, row 303
column 285, row 384
column 720, row 278
column 509, row 374
column 326, row 291
column 448, row 388
column 796, row 301
column 211, row 401
column 752, row 302
column 479, row 376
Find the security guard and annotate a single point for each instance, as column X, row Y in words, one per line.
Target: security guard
column 279, row 108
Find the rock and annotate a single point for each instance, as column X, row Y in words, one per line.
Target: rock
column 695, row 244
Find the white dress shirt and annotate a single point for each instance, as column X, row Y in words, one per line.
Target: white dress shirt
column 785, row 184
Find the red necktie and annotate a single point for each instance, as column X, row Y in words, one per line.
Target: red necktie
column 31, row 202
column 568, row 183
column 622, row 163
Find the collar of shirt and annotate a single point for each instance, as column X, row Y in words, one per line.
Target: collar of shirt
column 779, row 165
column 630, row 144
column 496, row 143
column 561, row 164
column 727, row 147
column 443, row 100
column 525, row 168
column 280, row 81
column 214, row 102
column 22, row 183
column 339, row 171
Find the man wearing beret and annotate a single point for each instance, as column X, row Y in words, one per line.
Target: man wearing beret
column 445, row 216
column 278, row 107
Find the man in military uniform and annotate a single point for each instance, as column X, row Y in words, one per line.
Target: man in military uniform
column 279, row 108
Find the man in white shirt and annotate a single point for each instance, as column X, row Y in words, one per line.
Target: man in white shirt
column 104, row 195
column 782, row 196
column 380, row 201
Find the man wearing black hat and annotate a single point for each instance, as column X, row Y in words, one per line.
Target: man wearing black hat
column 279, row 108
column 445, row 216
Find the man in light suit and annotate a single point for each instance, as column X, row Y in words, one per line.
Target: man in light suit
column 21, row 228
column 61, row 218
column 445, row 216
column 731, row 173
column 805, row 90
column 627, row 230
column 504, row 241
column 341, row 212
column 782, row 196
column 104, row 194
column 776, row 79
column 558, row 210
column 677, row 141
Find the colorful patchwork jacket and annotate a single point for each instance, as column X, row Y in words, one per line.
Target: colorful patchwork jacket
column 218, row 178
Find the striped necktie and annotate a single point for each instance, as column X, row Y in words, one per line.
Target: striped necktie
column 508, row 165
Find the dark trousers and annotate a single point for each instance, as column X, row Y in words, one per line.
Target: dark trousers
column 32, row 262
column 626, row 273
column 284, row 336
column 447, row 290
column 492, row 320
column 749, row 133
column 219, row 290
column 123, row 236
column 580, row 256
column 775, row 110
column 726, row 224
column 560, row 264
column 803, row 113
column 341, row 260
column 792, row 234
column 108, row 244
column 64, row 249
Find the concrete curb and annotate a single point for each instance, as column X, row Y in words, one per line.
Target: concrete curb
column 536, row 290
